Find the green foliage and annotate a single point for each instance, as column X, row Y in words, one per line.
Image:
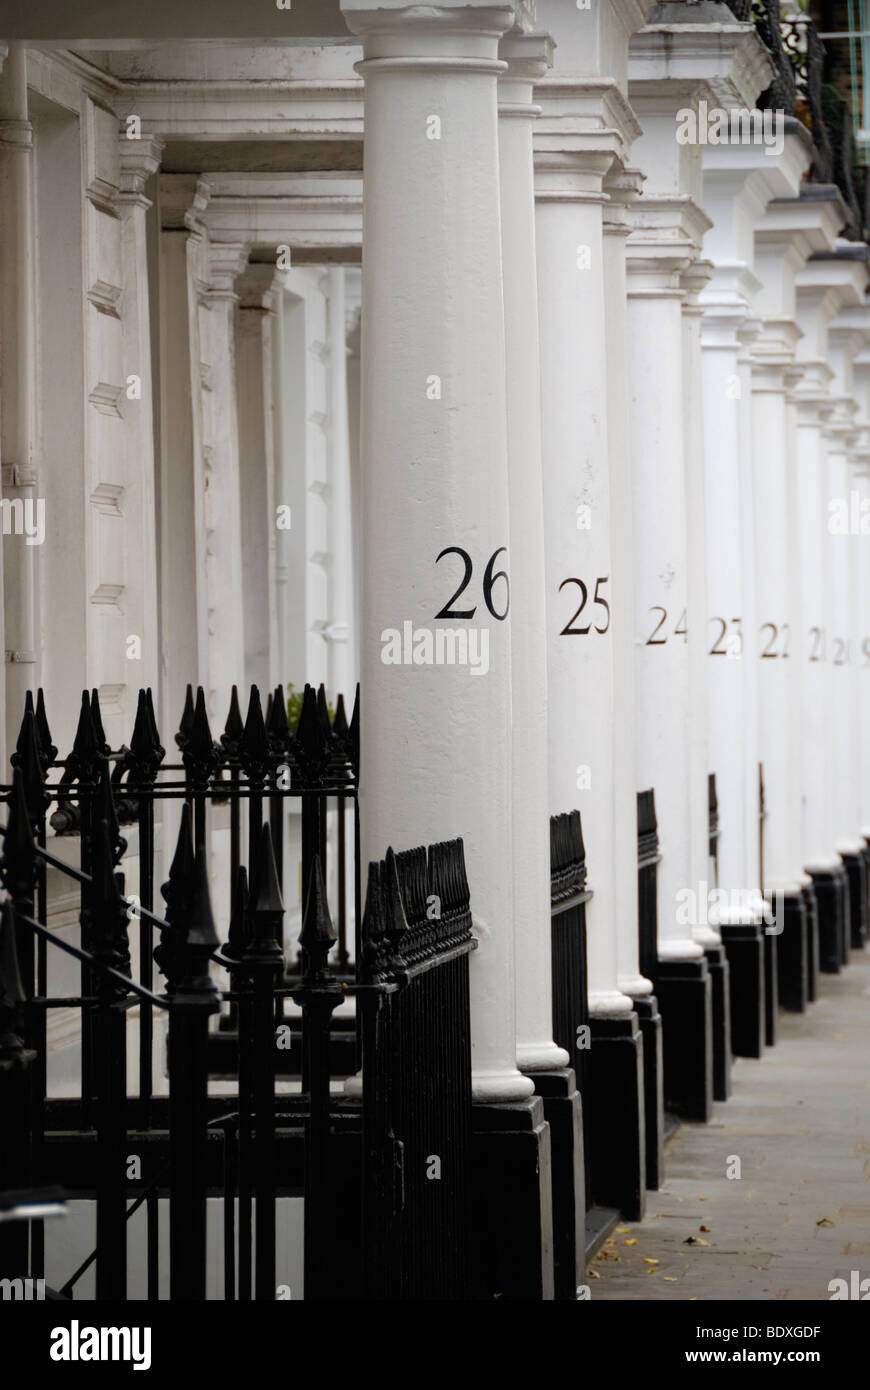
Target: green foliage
column 294, row 707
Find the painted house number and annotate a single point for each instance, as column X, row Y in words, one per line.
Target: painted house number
column 490, row 579
column 569, row 630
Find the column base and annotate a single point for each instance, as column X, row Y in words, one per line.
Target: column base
column 793, row 952
column 744, row 946
column 563, row 1113
column 720, row 983
column 650, row 1020
column 771, row 969
column 616, row 1128
column 812, row 906
column 512, row 1201
column 866, row 857
column 685, row 996
column 832, row 896
column 856, row 933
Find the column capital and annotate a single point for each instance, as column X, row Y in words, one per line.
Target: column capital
column 16, row 135
column 666, row 222
column 183, row 200
column 580, row 113
column 257, row 284
column 399, row 36
column 681, row 61
column 226, row 262
column 139, row 160
column 693, row 279
column 528, row 56
column 575, row 176
column 623, row 187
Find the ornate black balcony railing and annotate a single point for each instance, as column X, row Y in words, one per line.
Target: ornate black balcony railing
column 799, row 89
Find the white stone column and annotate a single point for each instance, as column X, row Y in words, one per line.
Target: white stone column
column 775, row 570
column 341, row 634
column 697, row 609
column 578, row 531
column 813, row 638
column 139, row 160
column 434, row 463
column 18, row 368
column 527, row 58
column 752, row 844
column 622, row 188
column 842, row 437
column 226, row 261
column 732, row 748
column 184, row 654
column 655, row 367
column 862, row 584
column 258, row 289
column 788, row 233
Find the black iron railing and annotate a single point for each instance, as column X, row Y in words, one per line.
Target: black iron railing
column 568, row 898
column 408, row 969
column 713, row 826
column 648, row 858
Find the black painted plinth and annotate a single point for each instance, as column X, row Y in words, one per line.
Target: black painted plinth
column 744, row 946
column 857, row 933
column 685, row 996
column 616, row 1130
column 563, row 1113
column 720, row 983
column 832, row 896
column 792, row 951
column 771, row 979
column 650, row 1020
column 812, row 906
column 866, row 858
column 512, row 1201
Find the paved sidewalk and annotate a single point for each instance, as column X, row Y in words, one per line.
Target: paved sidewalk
column 799, row 1215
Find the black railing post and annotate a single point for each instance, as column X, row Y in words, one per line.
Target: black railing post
column 318, row 994
column 200, row 757
column 372, row 1015
column 264, row 963
column 278, row 736
column 15, row 1063
column 144, row 757
column 254, row 755
column 18, row 873
column 111, row 948
column 186, row 945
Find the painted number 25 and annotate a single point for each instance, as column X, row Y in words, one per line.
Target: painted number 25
column 569, row 630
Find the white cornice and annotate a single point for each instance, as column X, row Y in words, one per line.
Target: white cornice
column 727, row 63
column 307, row 212
column 583, row 104
column 665, row 221
column 811, row 221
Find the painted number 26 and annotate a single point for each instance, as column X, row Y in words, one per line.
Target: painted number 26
column 489, row 581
